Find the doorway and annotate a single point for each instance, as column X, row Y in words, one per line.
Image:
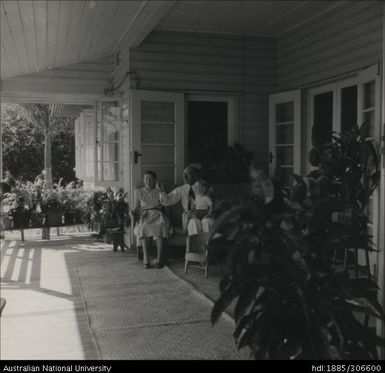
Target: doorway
column 209, row 132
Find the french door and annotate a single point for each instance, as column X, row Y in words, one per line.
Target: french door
column 338, row 107
column 369, row 113
column 285, row 135
column 157, row 136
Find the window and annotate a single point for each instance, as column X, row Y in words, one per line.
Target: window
column 108, row 130
column 85, row 145
column 322, row 118
column 332, row 107
column 78, row 148
column 89, row 145
column 284, row 135
column 348, row 104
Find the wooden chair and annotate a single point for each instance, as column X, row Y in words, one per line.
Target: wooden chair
column 197, row 252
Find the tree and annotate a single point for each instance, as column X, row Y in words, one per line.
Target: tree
column 23, row 142
column 63, row 151
column 39, row 114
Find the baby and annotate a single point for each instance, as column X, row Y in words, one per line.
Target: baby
column 202, row 205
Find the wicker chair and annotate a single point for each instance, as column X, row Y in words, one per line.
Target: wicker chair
column 197, row 252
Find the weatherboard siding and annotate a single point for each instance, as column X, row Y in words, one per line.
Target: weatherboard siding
column 212, row 63
column 342, row 40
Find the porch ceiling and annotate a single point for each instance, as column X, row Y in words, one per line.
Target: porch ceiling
column 67, row 111
column 252, row 17
column 40, row 35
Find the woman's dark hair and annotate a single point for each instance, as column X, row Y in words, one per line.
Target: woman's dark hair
column 152, row 173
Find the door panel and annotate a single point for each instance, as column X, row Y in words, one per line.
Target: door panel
column 157, row 139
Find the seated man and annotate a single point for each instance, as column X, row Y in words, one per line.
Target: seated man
column 186, row 195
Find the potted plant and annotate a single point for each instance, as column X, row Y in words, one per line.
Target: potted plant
column 68, row 201
column 292, row 302
column 114, row 211
column 231, row 166
column 37, row 218
column 20, row 205
column 6, row 222
column 50, row 200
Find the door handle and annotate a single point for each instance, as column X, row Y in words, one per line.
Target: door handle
column 136, row 156
column 271, row 156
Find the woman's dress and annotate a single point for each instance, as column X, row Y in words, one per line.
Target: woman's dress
column 152, row 222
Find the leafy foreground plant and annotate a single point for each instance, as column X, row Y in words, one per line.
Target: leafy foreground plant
column 291, row 301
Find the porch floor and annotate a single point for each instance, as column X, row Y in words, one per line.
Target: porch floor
column 73, row 298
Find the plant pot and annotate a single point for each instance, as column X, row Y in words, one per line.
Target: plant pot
column 111, row 223
column 78, row 217
column 38, row 221
column 54, row 218
column 69, row 217
column 21, row 218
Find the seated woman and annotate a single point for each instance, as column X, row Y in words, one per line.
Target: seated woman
column 199, row 218
column 153, row 223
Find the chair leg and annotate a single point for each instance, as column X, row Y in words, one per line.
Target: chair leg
column 187, row 244
column 335, row 257
column 185, row 266
column 206, row 264
column 367, row 263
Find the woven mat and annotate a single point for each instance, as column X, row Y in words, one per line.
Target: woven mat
column 136, row 313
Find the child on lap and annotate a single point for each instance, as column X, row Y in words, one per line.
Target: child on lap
column 202, row 204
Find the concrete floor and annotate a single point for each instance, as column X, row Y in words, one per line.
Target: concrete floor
column 45, row 314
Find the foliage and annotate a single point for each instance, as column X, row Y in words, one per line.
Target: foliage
column 291, row 301
column 349, row 164
column 63, row 151
column 115, row 209
column 28, row 199
column 107, row 207
column 23, row 145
